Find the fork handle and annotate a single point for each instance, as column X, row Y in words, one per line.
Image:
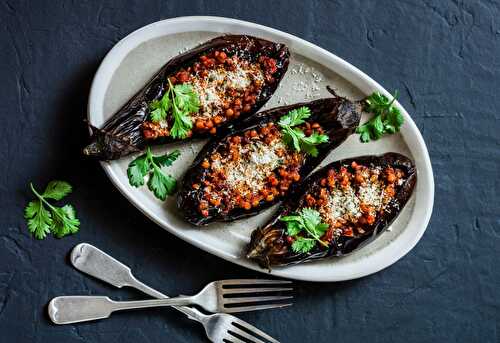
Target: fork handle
column 190, row 312
column 135, row 304
column 76, row 309
column 95, row 262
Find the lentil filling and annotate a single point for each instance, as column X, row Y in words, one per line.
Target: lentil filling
column 250, row 168
column 228, row 84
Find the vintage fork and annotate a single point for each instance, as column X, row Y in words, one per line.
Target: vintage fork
column 219, row 327
column 213, row 298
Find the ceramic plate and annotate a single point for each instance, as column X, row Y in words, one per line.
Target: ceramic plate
column 130, row 64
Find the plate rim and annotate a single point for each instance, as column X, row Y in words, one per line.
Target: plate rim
column 115, row 56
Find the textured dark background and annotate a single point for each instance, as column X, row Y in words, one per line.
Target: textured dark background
column 443, row 55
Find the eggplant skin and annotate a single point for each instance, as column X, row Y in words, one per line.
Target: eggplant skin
column 268, row 245
column 122, row 135
column 339, row 118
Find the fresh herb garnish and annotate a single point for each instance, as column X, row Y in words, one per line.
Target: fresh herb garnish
column 61, row 221
column 160, row 184
column 295, row 137
column 180, row 100
column 387, row 118
column 307, row 221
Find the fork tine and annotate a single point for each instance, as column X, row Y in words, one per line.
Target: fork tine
column 233, row 340
column 254, row 299
column 255, row 290
column 236, row 330
column 253, row 330
column 236, row 282
column 254, row 308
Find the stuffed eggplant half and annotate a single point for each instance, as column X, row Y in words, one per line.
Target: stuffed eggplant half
column 194, row 95
column 258, row 162
column 339, row 209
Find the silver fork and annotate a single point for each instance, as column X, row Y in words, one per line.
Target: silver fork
column 219, row 327
column 213, row 298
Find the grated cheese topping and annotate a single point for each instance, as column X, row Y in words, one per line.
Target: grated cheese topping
column 214, row 88
column 343, row 203
column 372, row 194
column 256, row 163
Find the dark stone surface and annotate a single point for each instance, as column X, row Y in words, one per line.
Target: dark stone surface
column 443, row 55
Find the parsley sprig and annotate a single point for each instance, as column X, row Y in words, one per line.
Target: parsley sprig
column 387, row 118
column 295, row 137
column 307, row 221
column 180, row 100
column 147, row 164
column 43, row 218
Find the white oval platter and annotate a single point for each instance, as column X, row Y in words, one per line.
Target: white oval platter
column 133, row 60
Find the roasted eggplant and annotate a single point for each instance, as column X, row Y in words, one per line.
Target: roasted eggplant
column 233, row 77
column 250, row 168
column 356, row 200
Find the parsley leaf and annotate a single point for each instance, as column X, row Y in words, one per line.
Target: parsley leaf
column 166, row 160
column 147, row 164
column 309, row 143
column 61, row 221
column 312, row 221
column 180, row 100
column 160, row 184
column 307, row 221
column 137, row 169
column 387, row 118
column 293, row 224
column 65, row 221
column 295, row 117
column 295, row 137
column 39, row 219
column 57, row 190
column 158, row 114
column 186, row 98
column 182, row 124
column 303, row 245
